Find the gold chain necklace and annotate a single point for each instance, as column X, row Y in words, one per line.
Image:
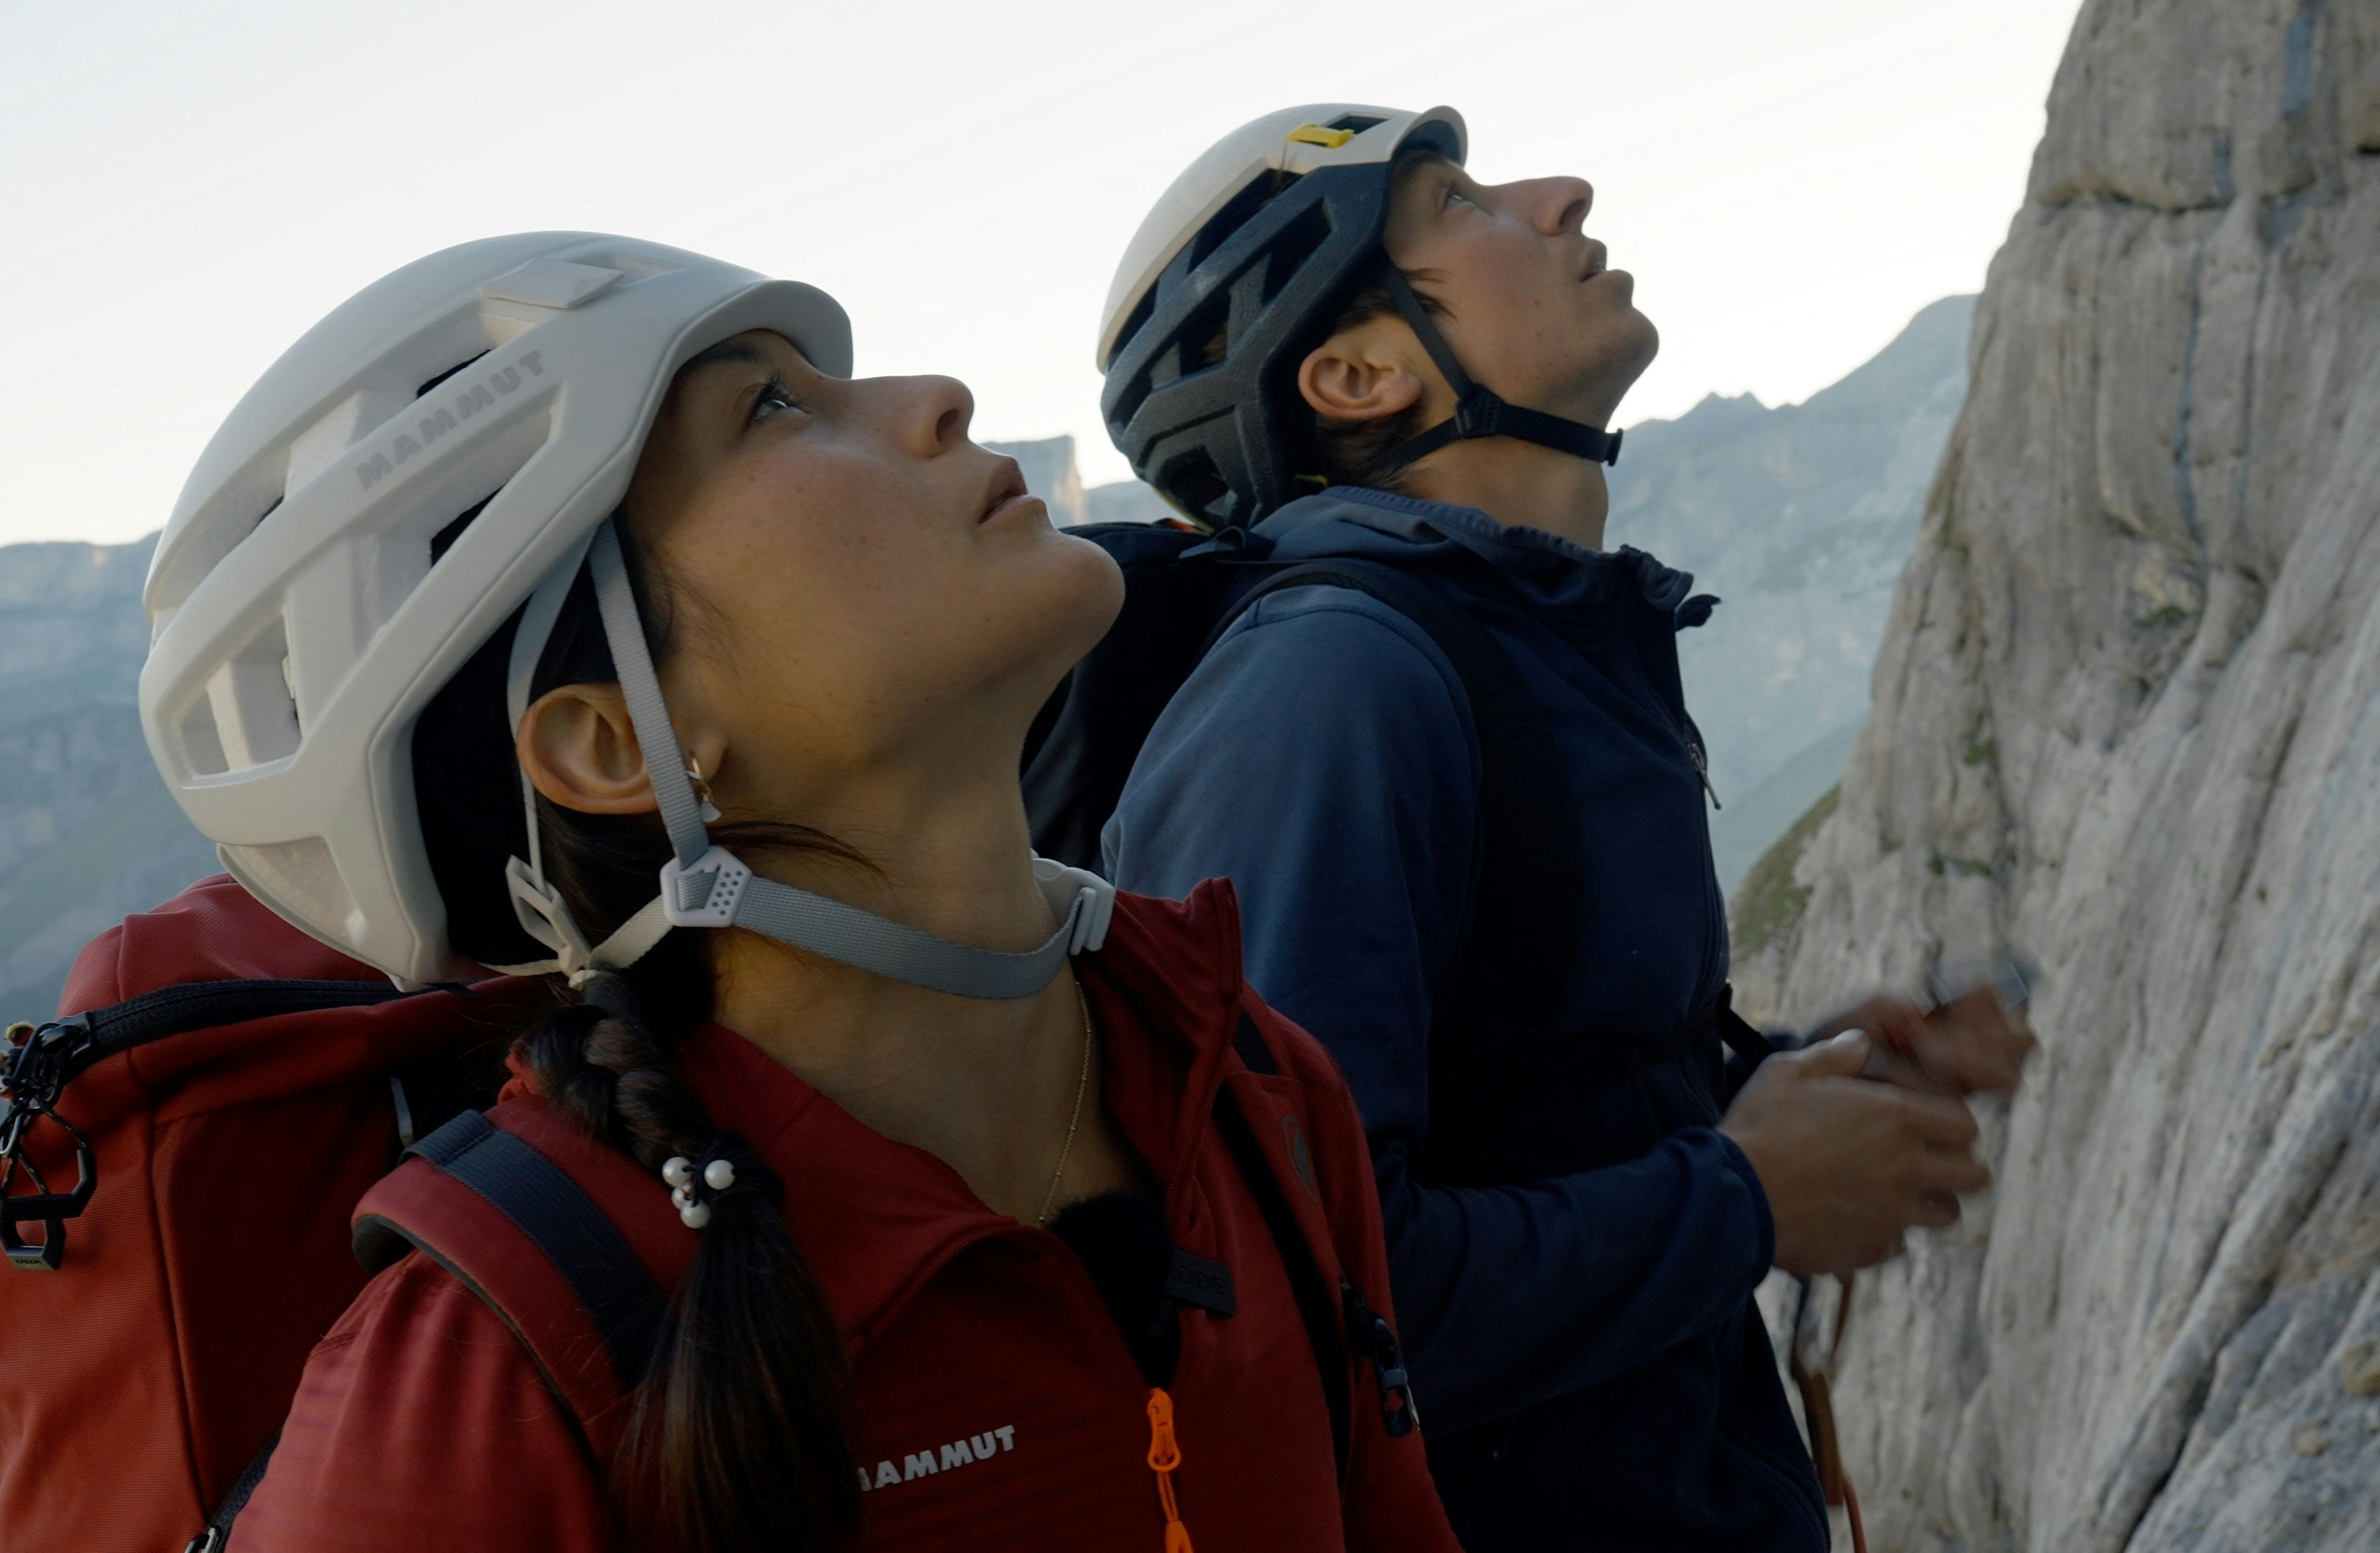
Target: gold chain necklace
column 1082, row 1087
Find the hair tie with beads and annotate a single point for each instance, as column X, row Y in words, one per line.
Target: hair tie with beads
column 696, row 1184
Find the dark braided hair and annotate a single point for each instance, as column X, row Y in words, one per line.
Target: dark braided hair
column 735, row 1442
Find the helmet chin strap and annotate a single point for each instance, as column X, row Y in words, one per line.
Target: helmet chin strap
column 706, row 886
column 1480, row 411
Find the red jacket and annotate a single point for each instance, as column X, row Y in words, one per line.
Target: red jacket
column 997, row 1406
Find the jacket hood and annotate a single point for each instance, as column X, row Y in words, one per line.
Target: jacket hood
column 1360, row 523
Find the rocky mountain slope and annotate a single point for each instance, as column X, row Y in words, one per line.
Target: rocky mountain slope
column 1800, row 518
column 2127, row 719
column 87, row 831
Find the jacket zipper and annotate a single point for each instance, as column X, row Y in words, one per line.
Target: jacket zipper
column 1702, row 768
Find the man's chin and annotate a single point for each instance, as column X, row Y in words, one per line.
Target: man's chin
column 1624, row 348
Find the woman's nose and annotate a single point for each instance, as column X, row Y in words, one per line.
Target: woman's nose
column 933, row 413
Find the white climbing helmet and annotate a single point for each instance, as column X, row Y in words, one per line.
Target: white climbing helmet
column 312, row 592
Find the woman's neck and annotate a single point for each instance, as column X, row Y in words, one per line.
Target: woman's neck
column 987, row 1086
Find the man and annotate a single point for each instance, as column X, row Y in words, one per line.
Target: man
column 1473, row 857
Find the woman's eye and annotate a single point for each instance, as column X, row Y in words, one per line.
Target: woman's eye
column 775, row 399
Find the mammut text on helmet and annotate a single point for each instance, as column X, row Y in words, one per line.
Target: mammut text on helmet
column 439, row 421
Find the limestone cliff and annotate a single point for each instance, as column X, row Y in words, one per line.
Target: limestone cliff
column 2127, row 718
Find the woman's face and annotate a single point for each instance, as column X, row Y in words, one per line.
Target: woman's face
column 855, row 586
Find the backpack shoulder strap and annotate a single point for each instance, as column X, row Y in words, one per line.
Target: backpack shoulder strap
column 1314, row 1307
column 1463, row 640
column 1339, row 1323
column 529, row 1216
column 1524, row 923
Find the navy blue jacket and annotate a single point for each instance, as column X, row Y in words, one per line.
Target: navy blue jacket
column 1590, row 1366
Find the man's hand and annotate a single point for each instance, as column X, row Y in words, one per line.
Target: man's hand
column 1848, row 1165
column 1969, row 1046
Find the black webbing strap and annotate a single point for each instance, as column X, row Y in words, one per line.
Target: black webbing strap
column 564, row 1223
column 1750, row 1044
column 218, row 1533
column 38, row 1063
column 187, row 1005
column 1480, row 411
column 1316, row 1304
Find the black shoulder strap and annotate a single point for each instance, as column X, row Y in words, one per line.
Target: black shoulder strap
column 1366, row 1332
column 558, row 1218
column 1524, row 925
column 1305, row 1282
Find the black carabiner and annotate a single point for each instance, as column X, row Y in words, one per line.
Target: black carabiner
column 31, row 1080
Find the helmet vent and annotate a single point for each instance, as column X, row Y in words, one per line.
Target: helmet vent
column 247, row 715
column 1297, row 242
column 1238, row 212
column 447, row 373
column 1206, row 338
column 1191, row 481
column 1141, row 312
column 1355, row 122
column 300, row 876
column 426, row 527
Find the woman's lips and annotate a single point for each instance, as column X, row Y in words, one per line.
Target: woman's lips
column 1007, row 489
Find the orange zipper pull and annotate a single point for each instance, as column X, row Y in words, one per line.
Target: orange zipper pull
column 1164, row 1455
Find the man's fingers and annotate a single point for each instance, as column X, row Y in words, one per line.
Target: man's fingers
column 1897, row 1022
column 1935, row 1121
column 1936, row 1211
column 1953, row 1172
column 1844, row 1057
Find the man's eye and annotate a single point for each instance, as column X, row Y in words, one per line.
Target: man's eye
column 1456, row 196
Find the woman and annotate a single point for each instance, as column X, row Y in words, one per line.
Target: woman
column 729, row 609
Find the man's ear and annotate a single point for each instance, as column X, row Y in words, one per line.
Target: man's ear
column 1362, row 373
column 579, row 746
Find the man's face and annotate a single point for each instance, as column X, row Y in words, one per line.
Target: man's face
column 1531, row 309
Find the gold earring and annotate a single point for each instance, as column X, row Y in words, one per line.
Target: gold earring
column 702, row 791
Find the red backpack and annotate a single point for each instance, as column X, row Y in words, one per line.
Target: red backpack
column 180, row 1167
column 207, row 1159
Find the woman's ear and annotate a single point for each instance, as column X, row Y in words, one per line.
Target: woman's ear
column 1361, row 373
column 579, row 746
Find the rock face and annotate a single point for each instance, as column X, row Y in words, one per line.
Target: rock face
column 2127, row 719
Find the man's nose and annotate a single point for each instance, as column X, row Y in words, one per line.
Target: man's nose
column 1556, row 204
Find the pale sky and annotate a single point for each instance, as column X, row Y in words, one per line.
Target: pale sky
column 185, row 188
